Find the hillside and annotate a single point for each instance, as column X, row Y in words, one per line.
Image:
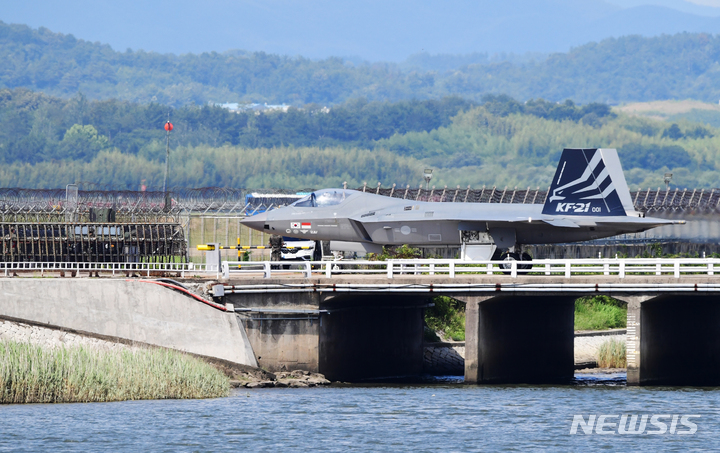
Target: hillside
column 48, row 142
column 628, row 69
column 35, row 127
column 696, row 111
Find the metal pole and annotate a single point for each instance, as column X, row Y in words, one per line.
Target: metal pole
column 167, row 155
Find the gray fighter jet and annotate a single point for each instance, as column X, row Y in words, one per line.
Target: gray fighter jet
column 588, row 199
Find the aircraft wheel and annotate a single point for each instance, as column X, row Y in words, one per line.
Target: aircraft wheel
column 525, row 257
column 508, row 258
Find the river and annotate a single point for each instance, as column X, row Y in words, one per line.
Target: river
column 443, row 415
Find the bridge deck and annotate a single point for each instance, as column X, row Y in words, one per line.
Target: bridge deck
column 481, row 284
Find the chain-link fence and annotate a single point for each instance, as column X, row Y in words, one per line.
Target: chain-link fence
column 136, row 206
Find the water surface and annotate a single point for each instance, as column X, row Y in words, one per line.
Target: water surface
column 445, row 415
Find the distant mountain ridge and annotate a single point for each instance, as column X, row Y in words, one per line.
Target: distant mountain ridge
column 373, row 30
column 616, row 70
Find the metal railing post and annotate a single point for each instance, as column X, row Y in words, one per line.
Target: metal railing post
column 389, row 269
column 308, row 269
column 328, row 269
column 676, row 268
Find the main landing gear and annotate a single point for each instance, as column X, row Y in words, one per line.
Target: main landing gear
column 523, row 258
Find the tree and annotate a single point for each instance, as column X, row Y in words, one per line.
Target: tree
column 673, row 132
column 81, row 143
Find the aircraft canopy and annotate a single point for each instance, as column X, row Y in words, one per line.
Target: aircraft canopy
column 323, row 198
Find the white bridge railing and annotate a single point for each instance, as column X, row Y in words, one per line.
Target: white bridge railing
column 10, row 268
column 620, row 268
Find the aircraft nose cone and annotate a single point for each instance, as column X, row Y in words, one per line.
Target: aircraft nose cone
column 256, row 222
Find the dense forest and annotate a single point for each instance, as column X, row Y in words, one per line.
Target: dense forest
column 630, row 68
column 35, row 127
column 49, row 142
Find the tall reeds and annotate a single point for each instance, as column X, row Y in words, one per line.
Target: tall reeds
column 612, row 354
column 34, row 374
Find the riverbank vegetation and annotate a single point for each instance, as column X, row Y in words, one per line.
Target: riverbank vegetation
column 446, row 318
column 600, row 313
column 612, row 354
column 34, row 374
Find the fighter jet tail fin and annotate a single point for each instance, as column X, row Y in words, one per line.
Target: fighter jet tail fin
column 589, row 182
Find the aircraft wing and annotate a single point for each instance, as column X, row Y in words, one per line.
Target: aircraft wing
column 561, row 223
column 554, row 221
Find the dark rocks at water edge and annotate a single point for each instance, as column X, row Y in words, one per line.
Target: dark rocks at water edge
column 262, row 379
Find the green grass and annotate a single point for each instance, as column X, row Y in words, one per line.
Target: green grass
column 612, row 354
column 34, row 374
column 447, row 318
column 599, row 313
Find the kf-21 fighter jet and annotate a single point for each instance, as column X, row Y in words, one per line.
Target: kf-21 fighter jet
column 588, row 199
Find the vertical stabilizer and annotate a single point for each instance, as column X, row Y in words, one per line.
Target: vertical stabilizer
column 589, row 182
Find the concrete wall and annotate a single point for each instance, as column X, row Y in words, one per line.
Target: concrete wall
column 284, row 342
column 54, row 338
column 357, row 336
column 127, row 310
column 441, row 359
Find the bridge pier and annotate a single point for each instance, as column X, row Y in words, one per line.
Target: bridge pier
column 518, row 330
column 515, row 339
column 345, row 336
column 673, row 340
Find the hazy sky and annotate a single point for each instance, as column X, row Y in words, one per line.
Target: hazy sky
column 688, row 5
column 713, row 3
column 370, row 29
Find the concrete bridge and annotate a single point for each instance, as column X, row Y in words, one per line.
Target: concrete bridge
column 352, row 319
column 364, row 322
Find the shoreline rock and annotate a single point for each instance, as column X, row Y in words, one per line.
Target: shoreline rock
column 263, row 379
column 601, row 370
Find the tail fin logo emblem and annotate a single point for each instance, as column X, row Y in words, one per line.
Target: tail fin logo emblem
column 585, row 184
